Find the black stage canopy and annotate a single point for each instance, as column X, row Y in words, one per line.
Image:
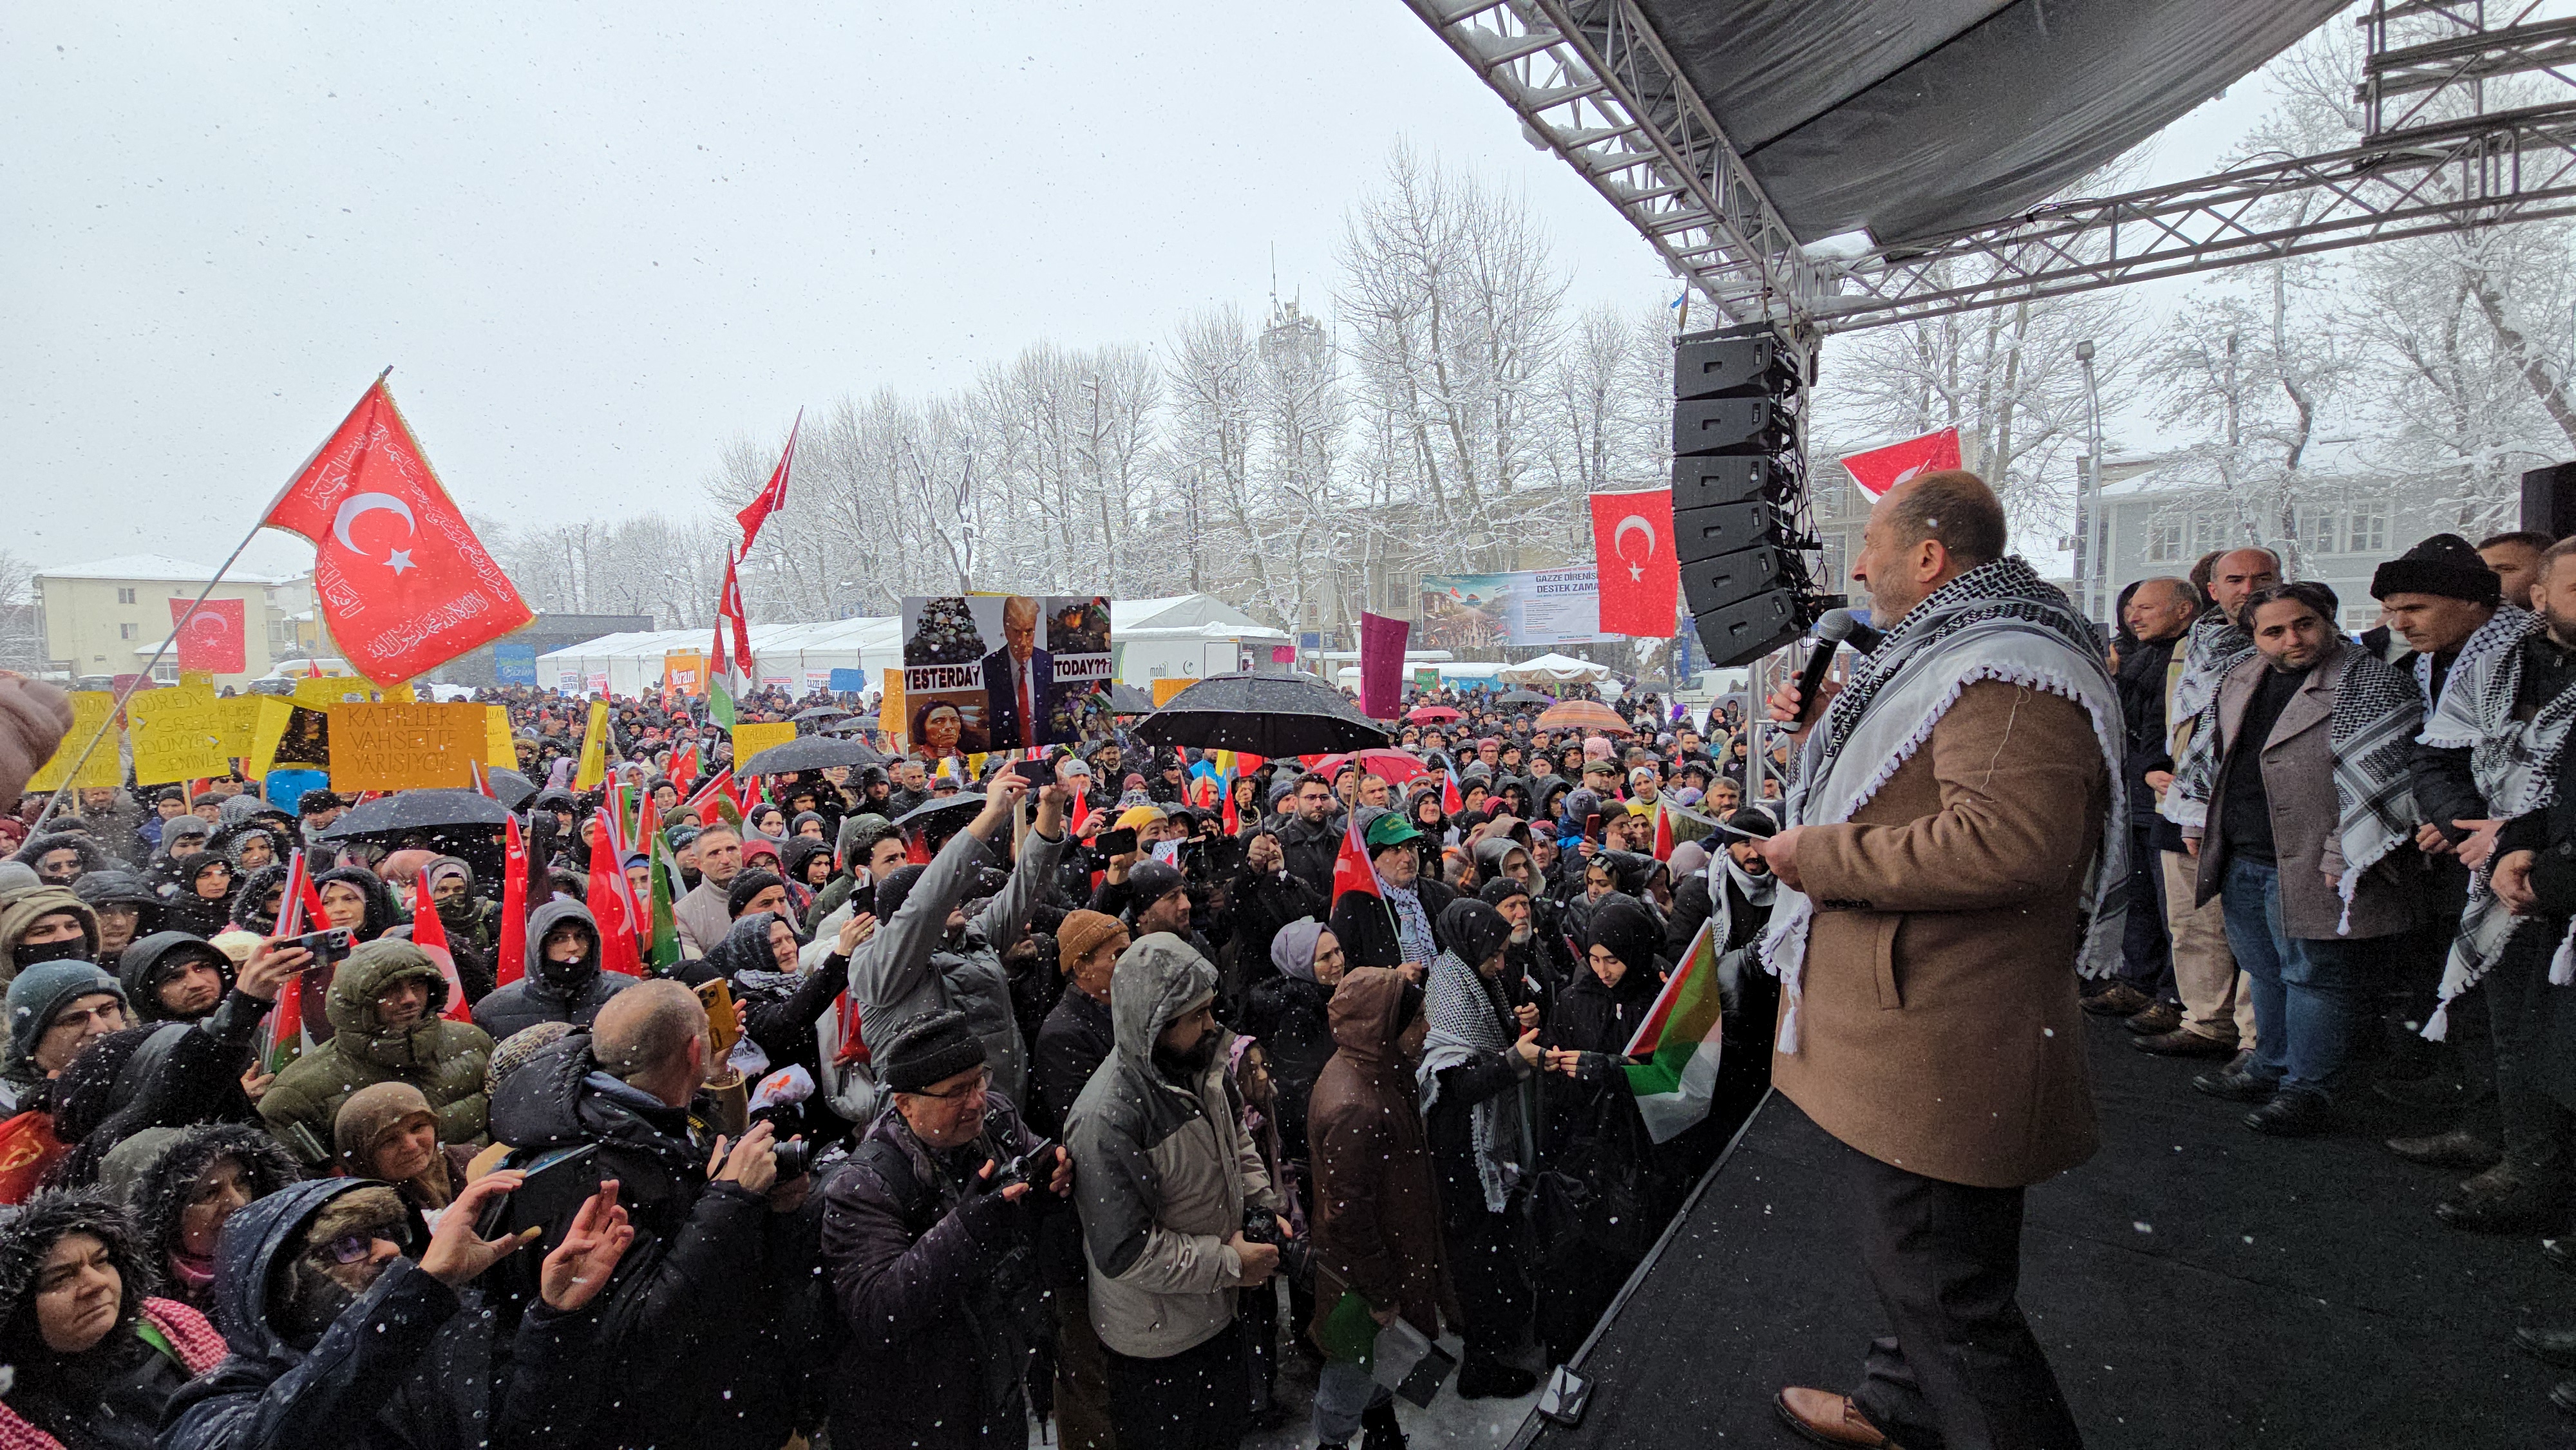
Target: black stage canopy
column 1909, row 117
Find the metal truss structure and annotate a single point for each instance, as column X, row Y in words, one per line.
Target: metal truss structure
column 1592, row 82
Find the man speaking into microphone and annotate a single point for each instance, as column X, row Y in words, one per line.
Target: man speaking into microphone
column 1954, row 851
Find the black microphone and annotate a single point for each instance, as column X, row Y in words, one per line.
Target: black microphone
column 1836, row 626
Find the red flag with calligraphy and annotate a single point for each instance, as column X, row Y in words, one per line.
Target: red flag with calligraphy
column 210, row 637
column 1881, row 469
column 772, row 497
column 403, row 583
column 1632, row 538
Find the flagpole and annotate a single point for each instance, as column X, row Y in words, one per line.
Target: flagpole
column 118, row 708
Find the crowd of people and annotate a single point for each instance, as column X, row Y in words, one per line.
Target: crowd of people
column 1087, row 1093
column 1085, row 1099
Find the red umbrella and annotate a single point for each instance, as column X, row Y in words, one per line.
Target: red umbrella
column 1433, row 715
column 1582, row 715
column 1396, row 766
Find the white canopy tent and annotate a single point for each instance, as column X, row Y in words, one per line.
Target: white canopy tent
column 633, row 661
column 1555, row 669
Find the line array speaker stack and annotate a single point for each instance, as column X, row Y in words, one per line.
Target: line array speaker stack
column 1738, row 480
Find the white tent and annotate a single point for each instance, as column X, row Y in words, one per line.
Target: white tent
column 1554, row 669
column 633, row 661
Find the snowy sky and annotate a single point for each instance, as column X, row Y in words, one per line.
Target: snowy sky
column 596, row 242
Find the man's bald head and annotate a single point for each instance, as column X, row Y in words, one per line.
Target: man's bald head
column 1922, row 534
column 644, row 1034
column 2238, row 574
column 2162, row 608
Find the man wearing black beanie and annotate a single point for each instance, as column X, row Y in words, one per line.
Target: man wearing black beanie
column 916, row 1227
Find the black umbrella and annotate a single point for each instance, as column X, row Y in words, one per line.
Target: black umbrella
column 819, row 712
column 964, row 807
column 809, row 752
column 512, row 788
column 418, row 810
column 1523, row 697
column 1271, row 715
column 1128, row 700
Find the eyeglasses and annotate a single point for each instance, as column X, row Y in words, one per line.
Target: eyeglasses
column 347, row 1248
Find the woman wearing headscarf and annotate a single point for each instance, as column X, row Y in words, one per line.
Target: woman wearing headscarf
column 358, row 899
column 1477, row 1102
column 472, row 921
column 97, row 1358
column 249, row 845
column 200, row 899
column 1593, row 1128
column 389, row 1133
column 257, row 900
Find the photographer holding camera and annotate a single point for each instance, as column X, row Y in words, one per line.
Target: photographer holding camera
column 929, row 1238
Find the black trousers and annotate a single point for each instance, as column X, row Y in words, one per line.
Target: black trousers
column 1485, row 1270
column 1962, row 1371
column 2538, row 1130
column 2146, row 952
column 1193, row 1400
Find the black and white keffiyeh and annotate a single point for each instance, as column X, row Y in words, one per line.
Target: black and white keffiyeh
column 1466, row 1024
column 2214, row 646
column 2376, row 712
column 2514, row 763
column 1999, row 621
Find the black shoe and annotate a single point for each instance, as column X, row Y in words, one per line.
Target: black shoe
column 1491, row 1379
column 2550, row 1346
column 2118, row 1000
column 2430, row 1091
column 2519, row 1212
column 2458, row 1148
column 2292, row 1114
column 2182, row 1043
column 2236, row 1085
column 1380, row 1431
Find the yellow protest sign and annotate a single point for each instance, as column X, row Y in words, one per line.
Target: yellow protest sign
column 1164, row 690
column 890, row 710
column 404, row 747
column 594, row 749
column 750, row 738
column 238, row 721
column 500, row 749
column 321, row 692
column 684, row 672
column 176, row 737
column 92, row 710
column 401, row 694
column 268, row 731
column 197, row 680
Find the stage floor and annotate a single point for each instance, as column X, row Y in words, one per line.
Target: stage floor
column 2195, row 1285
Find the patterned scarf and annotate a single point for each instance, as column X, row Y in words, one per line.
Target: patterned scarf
column 2515, row 765
column 2376, row 712
column 1999, row 621
column 1412, row 924
column 2215, row 646
column 1467, row 1023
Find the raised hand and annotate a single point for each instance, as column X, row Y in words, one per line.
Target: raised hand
column 580, row 1266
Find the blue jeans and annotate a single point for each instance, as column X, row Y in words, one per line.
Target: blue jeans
column 2312, row 996
column 1343, row 1395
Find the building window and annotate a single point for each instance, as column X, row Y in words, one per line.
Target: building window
column 125, row 631
column 2164, row 541
column 2317, row 531
column 124, row 596
column 2369, row 529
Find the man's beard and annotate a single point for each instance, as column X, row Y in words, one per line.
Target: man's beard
column 2562, row 627
column 1521, row 935
column 1189, row 1063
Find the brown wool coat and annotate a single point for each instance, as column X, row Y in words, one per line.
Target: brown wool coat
column 1940, row 1031
column 1376, row 1226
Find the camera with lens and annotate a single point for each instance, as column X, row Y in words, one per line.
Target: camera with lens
column 1262, row 1227
column 1036, row 1167
column 792, row 1157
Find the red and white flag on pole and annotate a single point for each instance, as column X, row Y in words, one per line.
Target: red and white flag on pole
column 773, row 496
column 210, row 636
column 1632, row 540
column 401, row 580
column 1881, row 469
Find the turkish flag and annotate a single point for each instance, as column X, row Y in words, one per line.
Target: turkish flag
column 211, row 638
column 1881, row 469
column 773, row 497
column 1632, row 539
column 403, row 583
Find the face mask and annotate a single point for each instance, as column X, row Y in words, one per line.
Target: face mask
column 53, row 951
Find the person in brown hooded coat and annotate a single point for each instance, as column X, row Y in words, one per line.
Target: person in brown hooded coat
column 1376, row 1229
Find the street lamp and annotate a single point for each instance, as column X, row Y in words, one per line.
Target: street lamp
column 2090, row 569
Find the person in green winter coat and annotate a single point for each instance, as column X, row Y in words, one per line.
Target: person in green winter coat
column 384, row 1006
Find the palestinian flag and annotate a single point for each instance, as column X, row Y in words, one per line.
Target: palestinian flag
column 658, row 931
column 1672, row 1061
